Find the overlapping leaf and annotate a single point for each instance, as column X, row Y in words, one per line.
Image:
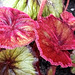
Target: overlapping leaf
column 54, row 7
column 31, row 7
column 18, row 61
column 69, row 19
column 16, row 28
column 53, row 38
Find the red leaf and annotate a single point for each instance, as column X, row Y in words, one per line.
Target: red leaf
column 16, row 28
column 53, row 37
column 69, row 19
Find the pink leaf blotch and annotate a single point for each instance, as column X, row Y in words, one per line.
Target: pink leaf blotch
column 16, row 28
column 53, row 39
column 69, row 19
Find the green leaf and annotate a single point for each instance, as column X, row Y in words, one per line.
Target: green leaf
column 18, row 61
column 31, row 7
column 73, row 61
column 10, row 3
column 54, row 7
column 73, row 56
column 73, row 70
column 21, row 5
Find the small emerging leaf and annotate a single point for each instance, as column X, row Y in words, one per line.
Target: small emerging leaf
column 52, row 70
column 69, row 19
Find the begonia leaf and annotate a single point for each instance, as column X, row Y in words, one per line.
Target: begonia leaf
column 66, row 15
column 69, row 19
column 31, row 7
column 16, row 28
column 55, row 7
column 18, row 61
column 53, row 39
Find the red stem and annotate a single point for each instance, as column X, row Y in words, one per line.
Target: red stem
column 66, row 5
column 43, row 2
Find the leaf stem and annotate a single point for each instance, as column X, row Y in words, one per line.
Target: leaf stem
column 43, row 2
column 67, row 5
